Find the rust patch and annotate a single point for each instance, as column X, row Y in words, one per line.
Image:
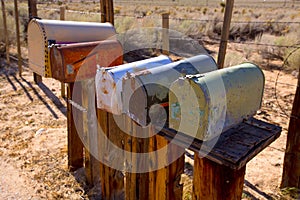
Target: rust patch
column 104, row 90
column 141, row 73
column 114, row 85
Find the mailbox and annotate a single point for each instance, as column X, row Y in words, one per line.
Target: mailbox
column 205, row 105
column 109, row 82
column 43, row 33
column 146, row 92
column 66, row 59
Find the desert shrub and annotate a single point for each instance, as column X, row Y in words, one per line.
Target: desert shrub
column 123, row 24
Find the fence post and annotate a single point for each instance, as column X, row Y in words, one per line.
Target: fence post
column 291, row 167
column 225, row 33
column 18, row 37
column 107, row 11
column 33, row 13
column 165, row 33
column 62, row 17
column 5, row 31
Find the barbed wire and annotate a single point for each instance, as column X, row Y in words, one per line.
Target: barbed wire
column 276, row 82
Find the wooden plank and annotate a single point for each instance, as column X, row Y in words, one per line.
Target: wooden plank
column 92, row 165
column 75, row 145
column 103, row 128
column 165, row 182
column 291, row 169
column 116, row 177
column 5, row 31
column 214, row 181
column 112, row 180
column 234, row 147
column 225, row 33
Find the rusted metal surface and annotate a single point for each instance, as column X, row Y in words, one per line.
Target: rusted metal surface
column 67, row 59
column 204, row 106
column 43, row 32
column 146, row 93
column 109, row 82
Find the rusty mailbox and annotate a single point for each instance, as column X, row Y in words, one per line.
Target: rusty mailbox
column 109, row 82
column 43, row 33
column 67, row 59
column 205, row 105
column 146, row 93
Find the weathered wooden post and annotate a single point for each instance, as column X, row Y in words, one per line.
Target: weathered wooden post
column 75, row 145
column 225, row 33
column 18, row 37
column 107, row 11
column 32, row 10
column 165, row 33
column 5, row 31
column 62, row 17
column 291, row 168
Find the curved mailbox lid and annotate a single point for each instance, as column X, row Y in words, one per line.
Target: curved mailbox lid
column 151, row 87
column 206, row 105
column 40, row 32
column 109, row 82
column 78, row 61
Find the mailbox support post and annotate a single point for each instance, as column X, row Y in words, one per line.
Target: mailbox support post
column 62, row 17
column 291, row 168
column 112, row 180
column 32, row 10
column 215, row 181
column 75, row 146
column 92, row 167
column 5, row 31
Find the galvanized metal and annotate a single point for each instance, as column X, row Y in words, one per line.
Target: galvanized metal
column 204, row 106
column 147, row 91
column 43, row 32
column 68, row 59
column 109, row 82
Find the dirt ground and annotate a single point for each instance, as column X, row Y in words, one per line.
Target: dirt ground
column 33, row 139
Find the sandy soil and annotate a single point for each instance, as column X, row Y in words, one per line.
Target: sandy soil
column 33, row 140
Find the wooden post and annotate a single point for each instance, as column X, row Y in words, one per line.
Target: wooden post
column 18, row 37
column 107, row 11
column 62, row 17
column 112, row 180
column 214, row 181
column 32, row 10
column 92, row 167
column 5, row 31
column 165, row 33
column 165, row 182
column 291, row 167
column 225, row 33
column 103, row 11
column 75, row 146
